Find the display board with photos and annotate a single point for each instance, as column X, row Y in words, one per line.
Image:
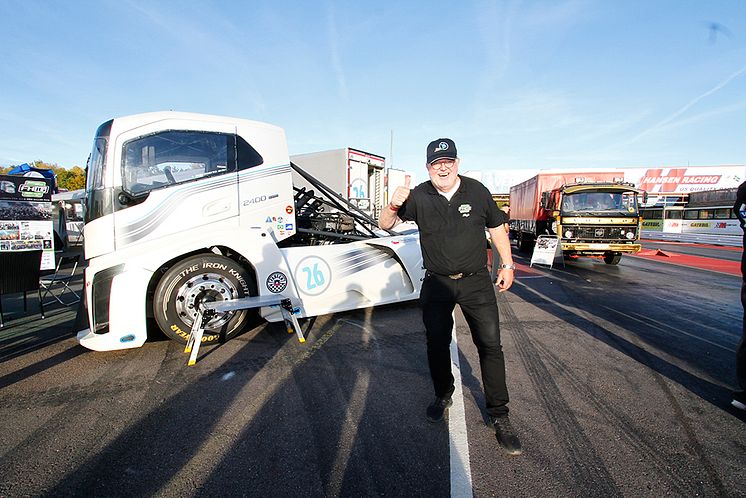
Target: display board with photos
column 26, row 216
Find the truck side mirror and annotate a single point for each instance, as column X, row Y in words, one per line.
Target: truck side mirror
column 124, row 198
column 544, row 199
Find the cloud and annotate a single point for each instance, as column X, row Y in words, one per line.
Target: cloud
column 212, row 48
column 334, row 49
column 553, row 15
column 495, row 22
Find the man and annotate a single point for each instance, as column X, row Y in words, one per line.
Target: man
column 739, row 397
column 603, row 202
column 505, row 208
column 452, row 213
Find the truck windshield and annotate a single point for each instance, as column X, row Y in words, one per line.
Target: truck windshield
column 600, row 202
column 95, row 203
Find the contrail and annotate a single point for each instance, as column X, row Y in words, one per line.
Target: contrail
column 689, row 105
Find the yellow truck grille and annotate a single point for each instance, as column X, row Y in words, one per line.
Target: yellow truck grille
column 611, row 233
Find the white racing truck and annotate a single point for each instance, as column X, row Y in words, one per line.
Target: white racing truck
column 193, row 220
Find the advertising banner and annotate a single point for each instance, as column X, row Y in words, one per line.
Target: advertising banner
column 654, row 225
column 26, row 216
column 686, row 179
column 654, row 180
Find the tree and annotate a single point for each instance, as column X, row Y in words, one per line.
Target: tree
column 71, row 179
column 67, row 179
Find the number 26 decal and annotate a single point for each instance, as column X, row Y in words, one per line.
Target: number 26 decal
column 313, row 275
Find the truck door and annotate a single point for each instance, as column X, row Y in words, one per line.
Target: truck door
column 265, row 191
column 174, row 179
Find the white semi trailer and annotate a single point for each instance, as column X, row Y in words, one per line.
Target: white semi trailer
column 356, row 175
column 195, row 218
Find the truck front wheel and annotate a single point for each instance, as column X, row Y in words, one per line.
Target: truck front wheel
column 612, row 258
column 201, row 278
column 524, row 242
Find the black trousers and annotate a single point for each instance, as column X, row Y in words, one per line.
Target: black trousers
column 476, row 296
column 741, row 351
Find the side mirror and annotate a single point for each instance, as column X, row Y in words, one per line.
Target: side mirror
column 124, row 198
column 544, row 199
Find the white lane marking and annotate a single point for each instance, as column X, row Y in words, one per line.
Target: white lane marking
column 457, row 437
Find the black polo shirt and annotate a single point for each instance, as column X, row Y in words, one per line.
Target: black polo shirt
column 452, row 233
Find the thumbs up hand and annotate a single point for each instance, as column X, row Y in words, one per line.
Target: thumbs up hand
column 401, row 193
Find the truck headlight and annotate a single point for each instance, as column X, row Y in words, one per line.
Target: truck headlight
column 554, row 227
column 568, row 234
column 630, row 235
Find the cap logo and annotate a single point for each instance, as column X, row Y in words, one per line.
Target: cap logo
column 441, row 146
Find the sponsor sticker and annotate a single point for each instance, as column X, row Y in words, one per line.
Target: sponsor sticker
column 277, row 282
column 289, row 209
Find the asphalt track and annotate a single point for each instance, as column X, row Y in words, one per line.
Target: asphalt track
column 620, row 380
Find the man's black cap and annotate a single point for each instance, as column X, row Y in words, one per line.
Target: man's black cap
column 441, row 148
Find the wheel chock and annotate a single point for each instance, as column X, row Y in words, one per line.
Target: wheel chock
column 291, row 322
column 195, row 335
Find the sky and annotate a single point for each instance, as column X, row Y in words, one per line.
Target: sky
column 516, row 84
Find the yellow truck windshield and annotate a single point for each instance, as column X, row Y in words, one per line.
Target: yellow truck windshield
column 600, row 202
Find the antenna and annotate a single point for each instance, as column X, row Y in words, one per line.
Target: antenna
column 391, row 149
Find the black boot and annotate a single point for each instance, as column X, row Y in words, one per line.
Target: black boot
column 506, row 435
column 438, row 407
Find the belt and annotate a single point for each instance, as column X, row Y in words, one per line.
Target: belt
column 454, row 276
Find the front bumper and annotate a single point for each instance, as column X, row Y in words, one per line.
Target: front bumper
column 599, row 248
column 109, row 342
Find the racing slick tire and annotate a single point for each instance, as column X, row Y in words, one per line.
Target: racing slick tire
column 201, row 278
column 612, row 258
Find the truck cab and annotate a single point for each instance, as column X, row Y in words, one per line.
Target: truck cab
column 594, row 219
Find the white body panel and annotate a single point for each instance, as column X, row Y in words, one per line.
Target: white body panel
column 338, row 277
column 321, row 279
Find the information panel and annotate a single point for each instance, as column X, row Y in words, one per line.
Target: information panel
column 547, row 248
column 26, row 216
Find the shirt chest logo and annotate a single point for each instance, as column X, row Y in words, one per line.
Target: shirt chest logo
column 465, row 210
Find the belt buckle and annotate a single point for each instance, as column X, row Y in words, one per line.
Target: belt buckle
column 455, row 276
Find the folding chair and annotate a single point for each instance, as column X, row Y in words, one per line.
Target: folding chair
column 58, row 283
